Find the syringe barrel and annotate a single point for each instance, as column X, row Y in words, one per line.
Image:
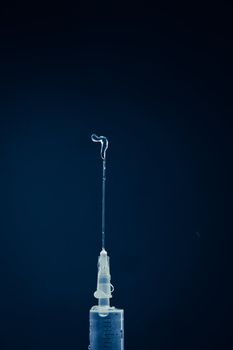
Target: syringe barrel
column 106, row 328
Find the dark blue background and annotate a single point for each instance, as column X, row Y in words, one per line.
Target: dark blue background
column 157, row 83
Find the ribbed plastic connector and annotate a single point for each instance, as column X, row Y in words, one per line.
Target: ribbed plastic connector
column 104, row 287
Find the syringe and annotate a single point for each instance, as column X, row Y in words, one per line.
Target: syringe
column 106, row 322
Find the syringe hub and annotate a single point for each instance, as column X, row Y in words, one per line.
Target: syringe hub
column 104, row 286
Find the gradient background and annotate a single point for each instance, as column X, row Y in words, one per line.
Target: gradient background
column 158, row 82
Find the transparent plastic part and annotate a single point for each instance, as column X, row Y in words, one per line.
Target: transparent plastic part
column 106, row 328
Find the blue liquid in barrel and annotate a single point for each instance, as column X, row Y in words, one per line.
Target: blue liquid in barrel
column 106, row 329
